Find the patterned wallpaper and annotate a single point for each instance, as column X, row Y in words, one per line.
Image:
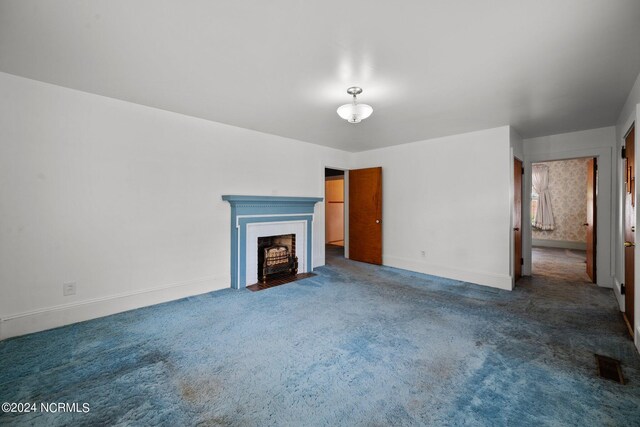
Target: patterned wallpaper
column 568, row 186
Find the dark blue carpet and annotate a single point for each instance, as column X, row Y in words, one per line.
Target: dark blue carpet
column 355, row 345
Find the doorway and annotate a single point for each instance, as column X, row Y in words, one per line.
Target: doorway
column 629, row 229
column 353, row 215
column 518, row 171
column 334, row 192
column 563, row 219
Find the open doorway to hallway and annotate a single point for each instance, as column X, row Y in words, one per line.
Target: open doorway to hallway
column 334, row 214
column 559, row 264
column 563, row 212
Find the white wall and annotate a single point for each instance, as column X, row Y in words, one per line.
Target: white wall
column 598, row 143
column 451, row 198
column 629, row 114
column 515, row 142
column 125, row 201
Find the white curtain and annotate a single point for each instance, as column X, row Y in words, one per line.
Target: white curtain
column 543, row 219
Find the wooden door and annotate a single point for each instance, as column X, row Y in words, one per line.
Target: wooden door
column 517, row 218
column 629, row 229
column 592, row 179
column 365, row 215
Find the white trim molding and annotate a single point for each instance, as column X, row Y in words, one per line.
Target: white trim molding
column 617, row 289
column 255, row 230
column 500, row 281
column 605, row 258
column 64, row 314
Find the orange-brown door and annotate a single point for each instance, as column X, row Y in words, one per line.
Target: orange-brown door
column 592, row 182
column 629, row 229
column 517, row 218
column 365, row 215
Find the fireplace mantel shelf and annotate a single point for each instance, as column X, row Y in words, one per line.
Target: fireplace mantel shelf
column 251, row 201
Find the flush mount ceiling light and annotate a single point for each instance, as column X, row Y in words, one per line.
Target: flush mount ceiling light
column 354, row 112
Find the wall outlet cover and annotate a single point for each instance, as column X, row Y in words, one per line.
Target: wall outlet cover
column 69, row 288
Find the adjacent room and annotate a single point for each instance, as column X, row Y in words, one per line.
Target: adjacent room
column 334, row 212
column 292, row 213
column 562, row 219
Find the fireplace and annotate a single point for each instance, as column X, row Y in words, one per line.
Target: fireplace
column 254, row 217
column 277, row 256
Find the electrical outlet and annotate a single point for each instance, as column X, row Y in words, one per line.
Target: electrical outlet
column 423, row 253
column 69, row 289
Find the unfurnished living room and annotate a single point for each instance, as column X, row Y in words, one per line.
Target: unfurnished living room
column 288, row 213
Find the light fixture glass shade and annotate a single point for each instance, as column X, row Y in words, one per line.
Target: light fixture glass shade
column 354, row 113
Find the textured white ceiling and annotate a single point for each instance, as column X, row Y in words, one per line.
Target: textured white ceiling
column 428, row 67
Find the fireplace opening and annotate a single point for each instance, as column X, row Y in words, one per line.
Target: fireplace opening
column 277, row 257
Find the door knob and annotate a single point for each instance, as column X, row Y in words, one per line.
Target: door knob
column 516, row 229
column 629, row 244
column 377, row 221
column 585, row 224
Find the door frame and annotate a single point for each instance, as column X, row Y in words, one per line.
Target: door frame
column 512, row 240
column 592, row 207
column 346, row 208
column 635, row 330
column 605, row 234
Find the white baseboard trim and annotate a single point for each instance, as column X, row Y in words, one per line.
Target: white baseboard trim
column 566, row 244
column 617, row 293
column 64, row 314
column 478, row 277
